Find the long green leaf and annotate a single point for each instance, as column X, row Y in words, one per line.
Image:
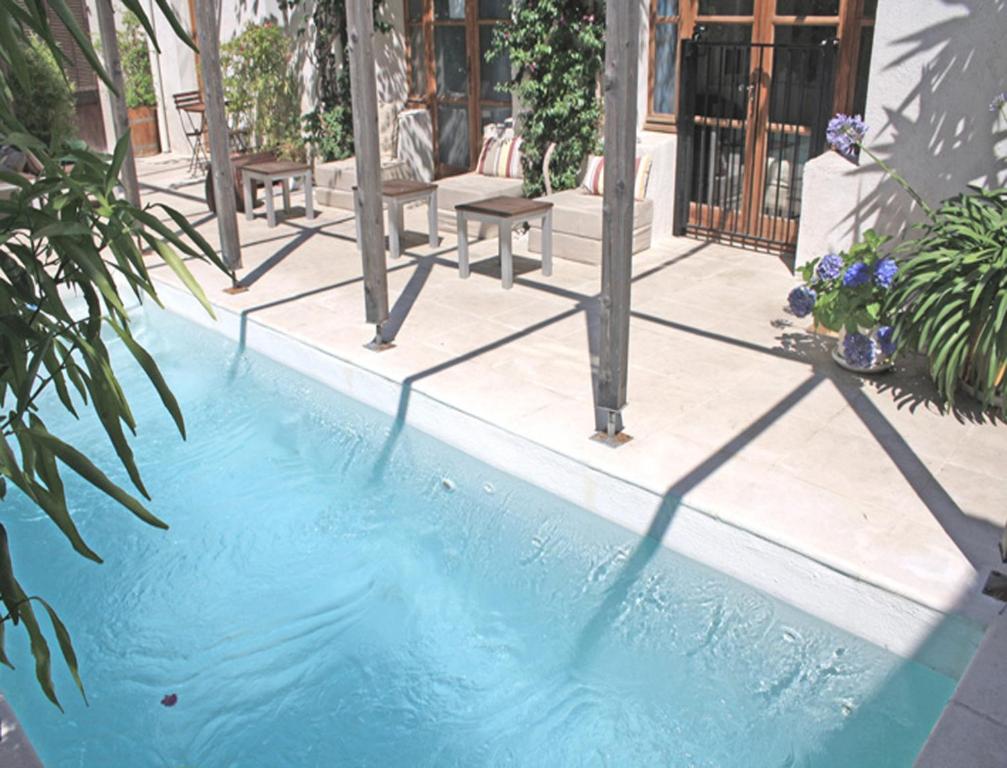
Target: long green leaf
column 65, row 644
column 82, row 465
column 172, row 259
column 153, row 373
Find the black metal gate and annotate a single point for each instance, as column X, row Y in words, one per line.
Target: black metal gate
column 749, row 117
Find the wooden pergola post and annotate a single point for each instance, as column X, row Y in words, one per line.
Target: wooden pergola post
column 208, row 39
column 368, row 207
column 622, row 44
column 120, row 117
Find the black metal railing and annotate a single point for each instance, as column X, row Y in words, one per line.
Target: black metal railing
column 750, row 116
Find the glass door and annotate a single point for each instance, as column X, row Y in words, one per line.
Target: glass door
column 452, row 106
column 449, row 39
column 762, row 80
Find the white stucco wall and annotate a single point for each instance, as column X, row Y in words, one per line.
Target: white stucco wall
column 936, row 65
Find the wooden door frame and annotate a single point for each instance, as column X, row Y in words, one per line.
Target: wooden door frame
column 429, row 100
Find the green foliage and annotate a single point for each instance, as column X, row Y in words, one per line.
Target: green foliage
column 136, row 64
column 329, row 133
column 851, row 307
column 329, row 128
column 557, row 51
column 951, row 294
column 64, row 233
column 44, row 102
column 260, row 87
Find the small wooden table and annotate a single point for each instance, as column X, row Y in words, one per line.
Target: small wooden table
column 396, row 194
column 505, row 212
column 272, row 171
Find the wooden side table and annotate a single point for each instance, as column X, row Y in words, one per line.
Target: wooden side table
column 396, row 194
column 269, row 172
column 504, row 212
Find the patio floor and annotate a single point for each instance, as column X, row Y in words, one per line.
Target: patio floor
column 733, row 405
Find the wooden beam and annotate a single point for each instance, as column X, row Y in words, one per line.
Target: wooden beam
column 622, row 36
column 120, row 116
column 208, row 37
column 370, row 219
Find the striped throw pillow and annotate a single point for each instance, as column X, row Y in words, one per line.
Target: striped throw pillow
column 501, row 157
column 594, row 177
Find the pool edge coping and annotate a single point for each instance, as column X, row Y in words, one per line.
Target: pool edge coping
column 943, row 640
column 972, row 728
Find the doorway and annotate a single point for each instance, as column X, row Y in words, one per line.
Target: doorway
column 450, row 76
column 749, row 86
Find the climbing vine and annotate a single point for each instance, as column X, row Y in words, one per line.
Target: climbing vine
column 329, row 127
column 557, row 52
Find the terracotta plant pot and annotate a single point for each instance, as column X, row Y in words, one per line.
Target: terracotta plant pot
column 143, row 131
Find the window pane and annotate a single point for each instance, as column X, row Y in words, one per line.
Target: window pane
column 797, row 34
column 452, row 64
column 807, row 7
column 870, row 9
column 863, row 70
column 415, row 10
column 719, row 171
column 449, row 9
column 786, row 154
column 665, row 66
column 667, row 7
column 495, row 115
column 726, row 7
column 493, row 73
column 725, row 33
column 799, row 84
column 417, row 61
column 723, row 73
column 494, row 9
column 453, row 136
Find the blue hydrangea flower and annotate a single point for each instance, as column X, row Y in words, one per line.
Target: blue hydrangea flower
column 856, row 274
column 802, row 300
column 886, row 340
column 846, row 133
column 884, row 273
column 859, row 350
column 829, row 267
column 998, row 102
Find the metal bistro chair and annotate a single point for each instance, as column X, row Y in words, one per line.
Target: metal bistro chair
column 190, row 104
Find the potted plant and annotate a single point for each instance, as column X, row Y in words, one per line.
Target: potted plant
column 948, row 294
column 950, row 301
column 141, row 100
column 846, row 293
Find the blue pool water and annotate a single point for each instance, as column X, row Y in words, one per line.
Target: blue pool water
column 321, row 600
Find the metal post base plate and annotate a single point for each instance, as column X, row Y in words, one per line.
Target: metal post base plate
column 612, row 441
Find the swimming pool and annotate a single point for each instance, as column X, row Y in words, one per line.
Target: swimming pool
column 328, row 596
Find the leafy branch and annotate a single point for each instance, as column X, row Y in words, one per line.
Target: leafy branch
column 71, row 251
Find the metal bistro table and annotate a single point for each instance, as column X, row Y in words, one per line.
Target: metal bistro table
column 270, row 172
column 396, row 194
column 505, row 212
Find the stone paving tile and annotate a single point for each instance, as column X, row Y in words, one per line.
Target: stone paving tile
column 731, row 400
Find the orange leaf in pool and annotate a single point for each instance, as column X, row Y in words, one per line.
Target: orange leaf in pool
column 170, row 700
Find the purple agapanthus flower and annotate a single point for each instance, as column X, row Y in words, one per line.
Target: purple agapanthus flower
column 856, row 275
column 859, row 350
column 845, row 133
column 829, row 267
column 886, row 340
column 999, row 102
column 884, row 273
column 802, row 300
